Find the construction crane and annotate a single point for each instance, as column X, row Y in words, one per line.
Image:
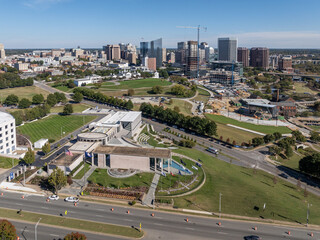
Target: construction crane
column 232, row 77
column 198, row 57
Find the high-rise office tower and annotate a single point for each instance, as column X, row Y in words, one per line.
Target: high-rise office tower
column 227, row 49
column 113, row 52
column 243, row 56
column 192, row 59
column 259, row 57
column 2, row 52
column 156, row 51
column 144, row 49
column 171, row 57
column 285, row 63
column 132, row 58
column 164, row 54
column 181, row 53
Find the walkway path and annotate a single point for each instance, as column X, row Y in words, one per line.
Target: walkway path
column 149, row 198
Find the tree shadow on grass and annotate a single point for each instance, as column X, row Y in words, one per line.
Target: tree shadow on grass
column 291, row 187
column 246, row 174
column 266, row 184
column 293, row 196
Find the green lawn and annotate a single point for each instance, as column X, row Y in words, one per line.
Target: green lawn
column 23, row 92
column 184, row 106
column 244, row 192
column 67, row 222
column 203, row 95
column 301, row 87
column 259, row 128
column 234, row 134
column 291, row 162
column 7, row 162
column 62, row 88
column 84, row 170
column 77, row 108
column 101, row 177
column 139, row 83
column 52, row 126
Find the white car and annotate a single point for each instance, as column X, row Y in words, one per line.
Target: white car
column 71, row 199
column 53, row 197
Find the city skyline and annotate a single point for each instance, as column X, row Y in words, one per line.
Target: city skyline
column 69, row 23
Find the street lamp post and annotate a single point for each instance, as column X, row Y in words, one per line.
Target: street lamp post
column 308, row 213
column 35, row 229
column 220, row 194
column 61, row 131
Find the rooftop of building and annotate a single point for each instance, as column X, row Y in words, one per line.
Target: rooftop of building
column 134, row 151
column 82, row 146
column 92, row 135
column 5, row 117
column 65, row 160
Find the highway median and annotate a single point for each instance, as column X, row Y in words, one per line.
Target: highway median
column 66, row 222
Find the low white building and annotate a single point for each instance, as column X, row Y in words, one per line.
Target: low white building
column 88, row 80
column 8, row 141
column 40, row 143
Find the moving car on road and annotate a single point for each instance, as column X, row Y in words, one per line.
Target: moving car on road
column 71, row 199
column 53, row 197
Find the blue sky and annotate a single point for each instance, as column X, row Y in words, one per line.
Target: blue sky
column 93, row 23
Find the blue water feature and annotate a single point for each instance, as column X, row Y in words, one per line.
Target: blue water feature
column 176, row 165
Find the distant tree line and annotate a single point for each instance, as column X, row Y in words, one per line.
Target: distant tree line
column 101, row 98
column 12, row 80
column 202, row 126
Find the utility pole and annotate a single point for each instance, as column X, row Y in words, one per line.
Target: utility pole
column 308, row 213
column 220, row 194
column 24, row 175
column 35, row 230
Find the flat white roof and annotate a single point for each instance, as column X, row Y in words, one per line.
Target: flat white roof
column 131, row 116
column 5, row 117
column 42, row 140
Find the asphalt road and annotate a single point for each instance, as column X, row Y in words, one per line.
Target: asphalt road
column 162, row 226
column 26, row 231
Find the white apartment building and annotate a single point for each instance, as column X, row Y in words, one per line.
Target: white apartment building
column 7, row 133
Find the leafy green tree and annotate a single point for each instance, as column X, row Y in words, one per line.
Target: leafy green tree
column 37, row 99
column 275, row 150
column 57, row 179
column 68, row 109
column 130, row 92
column 257, row 141
column 75, row 236
column 46, row 148
column 29, row 157
column 298, row 136
column 289, row 152
column 311, row 164
column 61, row 97
column 77, row 97
column 71, row 84
column 163, row 73
column 268, row 138
column 129, row 105
column 277, row 136
column 157, row 89
column 11, row 100
column 24, row 103
column 51, row 100
column 178, row 90
column 315, row 137
column 7, row 230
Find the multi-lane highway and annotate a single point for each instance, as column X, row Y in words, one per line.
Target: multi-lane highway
column 163, row 225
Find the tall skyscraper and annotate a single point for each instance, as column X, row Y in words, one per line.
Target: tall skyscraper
column 2, row 52
column 259, row 57
column 144, row 49
column 181, row 54
column 156, row 51
column 182, row 45
column 164, row 54
column 192, row 58
column 243, row 56
column 227, row 49
column 113, row 52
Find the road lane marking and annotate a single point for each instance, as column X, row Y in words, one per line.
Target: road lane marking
column 159, row 224
column 99, row 216
column 222, row 233
column 19, row 204
column 100, row 209
column 190, row 228
column 129, row 220
column 54, row 235
column 44, row 207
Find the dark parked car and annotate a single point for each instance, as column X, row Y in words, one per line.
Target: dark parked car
column 252, row 237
